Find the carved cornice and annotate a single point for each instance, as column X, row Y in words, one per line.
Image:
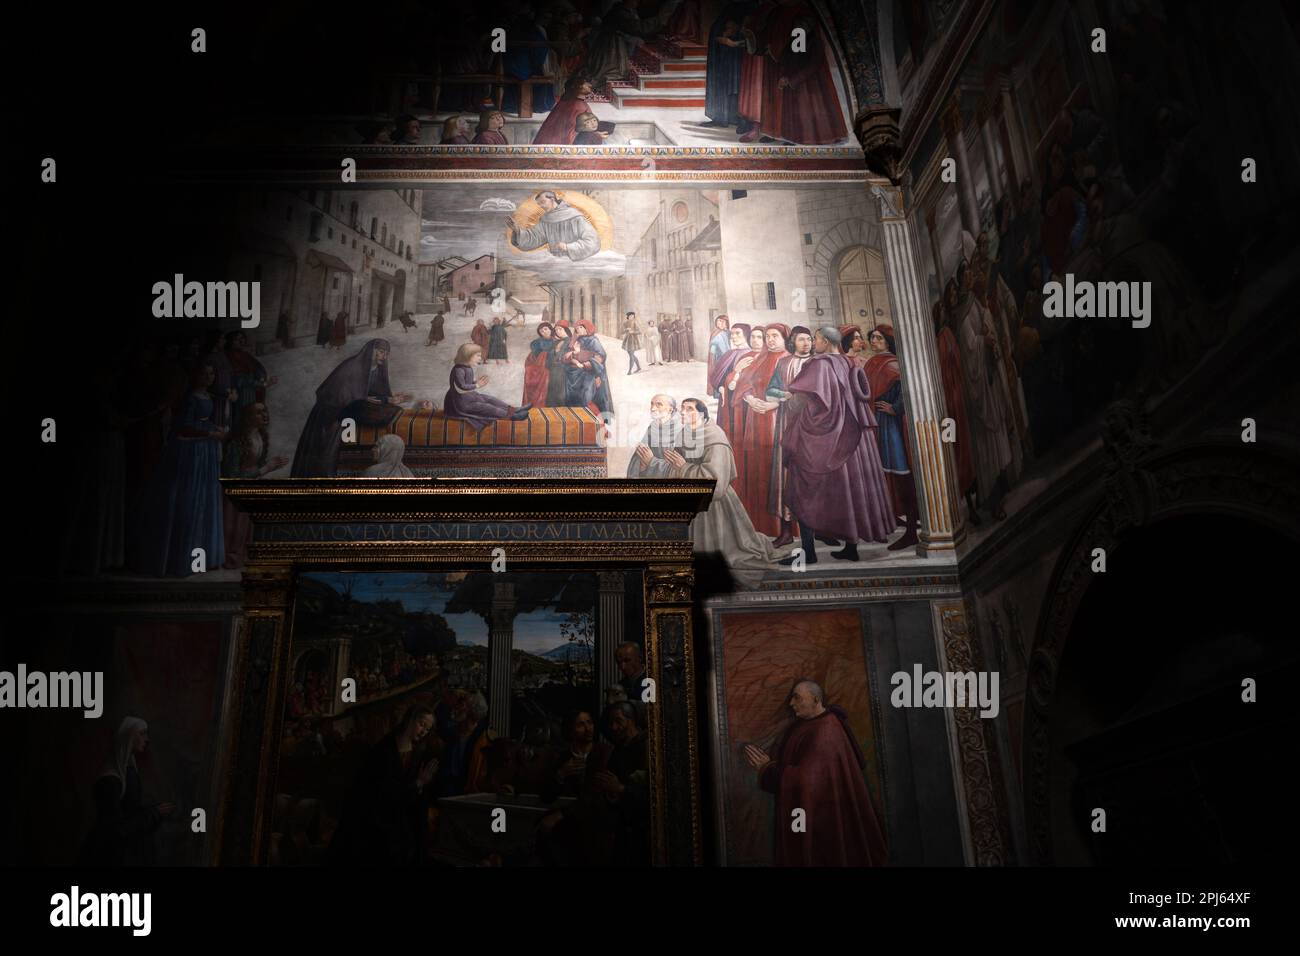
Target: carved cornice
column 857, row 590
column 183, row 597
column 470, row 499
column 881, row 137
column 468, row 554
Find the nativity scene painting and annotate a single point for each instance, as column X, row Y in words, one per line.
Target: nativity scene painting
column 474, row 698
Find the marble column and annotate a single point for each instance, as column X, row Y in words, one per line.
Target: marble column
column 933, row 468
column 991, row 165
column 954, row 130
column 501, row 639
column 609, row 629
column 1019, row 156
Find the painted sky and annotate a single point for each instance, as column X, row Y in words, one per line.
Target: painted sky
column 470, row 220
column 535, row 632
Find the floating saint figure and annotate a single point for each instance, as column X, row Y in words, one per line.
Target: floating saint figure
column 563, row 229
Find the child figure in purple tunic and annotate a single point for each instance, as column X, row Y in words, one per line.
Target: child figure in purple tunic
column 465, row 401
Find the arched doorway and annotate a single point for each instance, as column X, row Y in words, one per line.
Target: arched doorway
column 860, row 281
column 1170, row 522
column 1148, row 721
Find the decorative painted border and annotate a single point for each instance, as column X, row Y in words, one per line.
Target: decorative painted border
column 856, row 590
column 576, row 174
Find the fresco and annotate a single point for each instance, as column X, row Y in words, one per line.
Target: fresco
column 1077, row 168
column 743, row 336
column 120, row 790
column 764, row 716
column 408, row 766
column 668, row 72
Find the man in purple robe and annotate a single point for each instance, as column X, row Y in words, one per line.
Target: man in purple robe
column 836, row 482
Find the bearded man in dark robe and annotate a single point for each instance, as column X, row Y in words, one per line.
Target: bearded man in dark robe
column 817, row 768
column 357, row 388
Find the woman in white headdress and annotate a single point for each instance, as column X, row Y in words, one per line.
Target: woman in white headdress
column 124, row 825
column 388, row 459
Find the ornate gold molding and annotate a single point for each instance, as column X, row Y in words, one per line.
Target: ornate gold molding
column 670, row 585
column 974, row 743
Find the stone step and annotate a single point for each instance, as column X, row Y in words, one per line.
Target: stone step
column 672, row 82
column 663, row 99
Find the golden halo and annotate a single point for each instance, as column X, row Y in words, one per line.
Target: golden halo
column 528, row 213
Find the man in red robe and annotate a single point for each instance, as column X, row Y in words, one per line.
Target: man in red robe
column 479, row 335
column 731, row 410
column 722, row 366
column 800, row 104
column 886, row 381
column 560, row 126
column 755, row 445
column 753, row 71
column 817, row 769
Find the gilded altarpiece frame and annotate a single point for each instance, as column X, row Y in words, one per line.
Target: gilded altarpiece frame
column 303, row 525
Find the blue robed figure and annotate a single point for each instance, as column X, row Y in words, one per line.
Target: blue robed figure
column 523, row 62
column 584, row 368
column 181, row 504
column 722, row 73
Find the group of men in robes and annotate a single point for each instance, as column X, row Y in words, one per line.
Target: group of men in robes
column 566, row 367
column 676, row 339
column 980, row 345
column 759, row 80
column 803, row 424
